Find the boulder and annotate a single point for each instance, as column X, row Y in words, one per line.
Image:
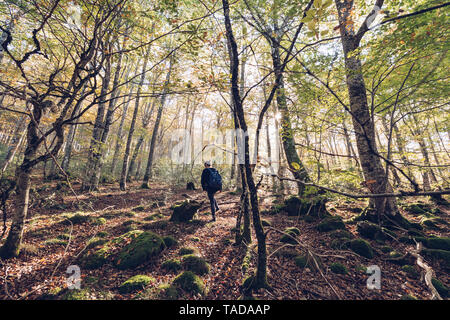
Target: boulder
column 330, row 224
column 140, row 250
column 189, row 282
column 362, row 248
column 185, row 211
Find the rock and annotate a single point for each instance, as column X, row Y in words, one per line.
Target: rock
column 171, row 265
column 370, row 231
column 443, row 291
column 140, row 250
column 330, row 224
column 338, row 268
column 195, row 264
column 265, row 223
column 190, row 186
column 95, row 258
column 301, row 261
column 189, row 282
column 362, row 248
column 291, row 234
column 185, row 251
column 135, row 283
column 315, row 206
column 442, row 256
column 417, row 208
column 170, row 241
column 341, row 234
column 185, row 211
column 411, row 272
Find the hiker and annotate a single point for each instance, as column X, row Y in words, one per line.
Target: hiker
column 211, row 183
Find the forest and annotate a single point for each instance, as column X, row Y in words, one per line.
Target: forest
column 327, row 121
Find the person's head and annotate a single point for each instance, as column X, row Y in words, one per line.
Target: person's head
column 207, row 164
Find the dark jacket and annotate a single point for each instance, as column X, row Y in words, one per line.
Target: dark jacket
column 205, row 178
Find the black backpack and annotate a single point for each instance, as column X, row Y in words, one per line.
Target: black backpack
column 214, row 180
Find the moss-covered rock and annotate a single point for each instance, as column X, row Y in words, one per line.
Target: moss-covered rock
column 361, row 247
column 301, row 261
column 386, row 249
column 265, row 223
column 338, row 268
column 77, row 294
column 170, row 241
column 339, row 243
column 185, row 211
column 135, row 283
column 314, row 206
column 290, row 235
column 195, row 264
column 442, row 256
column 341, row 234
column 417, row 208
column 78, row 218
column 443, row 291
column 437, row 243
column 331, row 224
column 140, row 250
column 370, row 231
column 187, row 250
column 172, row 265
column 95, row 257
column 167, row 292
column 411, row 272
column 189, row 282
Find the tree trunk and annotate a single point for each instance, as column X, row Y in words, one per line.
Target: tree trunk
column 261, row 272
column 124, row 174
column 148, row 170
column 287, row 134
column 364, row 127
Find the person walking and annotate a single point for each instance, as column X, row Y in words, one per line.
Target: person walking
column 211, row 183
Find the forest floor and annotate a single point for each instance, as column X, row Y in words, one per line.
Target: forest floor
column 51, row 245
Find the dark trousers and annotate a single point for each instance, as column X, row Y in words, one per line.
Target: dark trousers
column 213, row 202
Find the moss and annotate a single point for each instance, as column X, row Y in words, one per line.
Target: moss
column 438, row 243
column 411, row 272
column 140, row 208
column 301, row 261
column 331, row 224
column 341, row 234
column 140, row 250
column 94, row 259
column 417, row 208
column 370, row 230
column 95, row 242
column 362, row 248
column 170, row 241
column 76, row 294
column 185, row 211
column 135, row 283
column 55, row 242
column 443, row 291
column 153, row 217
column 395, row 254
column 339, row 244
column 167, row 291
column 99, row 221
column 265, row 223
column 292, row 230
column 102, row 234
column 79, row 218
column 360, row 268
column 314, row 206
column 386, row 249
column 189, row 282
column 286, row 253
column 338, row 268
column 408, row 297
column 185, row 251
column 195, row 264
column 172, row 265
column 443, row 256
column 64, row 236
